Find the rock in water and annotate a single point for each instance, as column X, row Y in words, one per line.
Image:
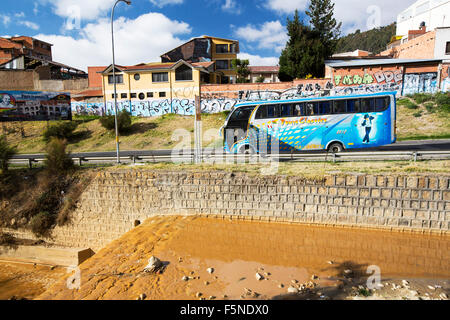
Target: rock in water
column 210, row 270
column 292, row 290
column 259, row 276
column 154, row 264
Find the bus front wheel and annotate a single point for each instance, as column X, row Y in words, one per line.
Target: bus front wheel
column 335, row 147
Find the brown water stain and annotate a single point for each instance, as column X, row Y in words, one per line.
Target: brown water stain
column 237, row 250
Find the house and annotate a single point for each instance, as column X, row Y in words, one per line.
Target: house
column 208, row 49
column 152, row 86
column 423, row 32
column 431, row 13
column 268, row 74
column 14, row 47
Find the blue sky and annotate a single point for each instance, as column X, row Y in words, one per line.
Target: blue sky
column 79, row 29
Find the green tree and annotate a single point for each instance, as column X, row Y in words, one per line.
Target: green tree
column 242, row 70
column 310, row 45
column 321, row 14
column 260, row 79
column 303, row 54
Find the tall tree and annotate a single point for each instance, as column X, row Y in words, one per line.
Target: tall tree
column 303, row 53
column 242, row 70
column 310, row 45
column 321, row 14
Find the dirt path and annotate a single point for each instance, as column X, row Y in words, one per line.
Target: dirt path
column 324, row 263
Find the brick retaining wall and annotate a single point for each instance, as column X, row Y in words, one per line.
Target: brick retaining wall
column 116, row 199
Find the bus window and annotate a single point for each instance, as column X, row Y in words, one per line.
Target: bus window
column 311, row 108
column 273, row 111
column 381, row 104
column 324, row 107
column 298, row 110
column 286, row 110
column 353, row 106
column 367, row 105
column 261, row 113
column 340, row 106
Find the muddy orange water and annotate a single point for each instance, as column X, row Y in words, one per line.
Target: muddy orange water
column 237, row 250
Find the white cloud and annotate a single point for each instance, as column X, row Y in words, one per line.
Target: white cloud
column 36, row 8
column 286, row 6
column 19, row 15
column 5, row 19
column 88, row 9
column 269, row 35
column 29, row 24
column 353, row 14
column 163, row 3
column 143, row 39
column 256, row 60
column 231, row 6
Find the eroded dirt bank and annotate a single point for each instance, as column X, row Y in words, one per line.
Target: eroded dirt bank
column 318, row 262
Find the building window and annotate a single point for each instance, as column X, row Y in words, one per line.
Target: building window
column 119, row 79
column 160, row 77
column 133, row 96
column 113, row 96
column 162, row 94
column 222, row 48
column 137, row 77
column 233, row 48
column 141, row 96
column 183, row 73
column 222, row 64
column 149, row 94
column 124, row 95
column 447, row 48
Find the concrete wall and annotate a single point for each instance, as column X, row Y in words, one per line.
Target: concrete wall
column 17, row 80
column 116, row 199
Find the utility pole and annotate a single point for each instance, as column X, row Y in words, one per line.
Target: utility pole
column 114, row 77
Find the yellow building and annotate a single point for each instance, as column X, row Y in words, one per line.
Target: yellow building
column 156, row 88
column 208, row 49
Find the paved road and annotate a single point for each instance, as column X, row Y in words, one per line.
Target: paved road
column 422, row 145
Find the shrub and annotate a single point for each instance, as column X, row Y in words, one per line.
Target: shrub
column 7, row 239
column 443, row 101
column 6, row 153
column 61, row 130
column 57, row 160
column 430, row 106
column 409, row 105
column 123, row 122
column 417, row 114
column 42, row 223
column 422, row 97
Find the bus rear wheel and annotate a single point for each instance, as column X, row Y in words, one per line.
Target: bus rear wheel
column 335, row 147
column 247, row 150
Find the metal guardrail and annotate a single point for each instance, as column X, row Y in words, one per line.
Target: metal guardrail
column 215, row 157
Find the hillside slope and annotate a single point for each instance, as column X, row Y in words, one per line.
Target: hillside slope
column 374, row 40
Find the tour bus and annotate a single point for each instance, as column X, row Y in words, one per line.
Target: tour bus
column 334, row 123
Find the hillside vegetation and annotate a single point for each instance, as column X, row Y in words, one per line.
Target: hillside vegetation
column 374, row 40
column 418, row 117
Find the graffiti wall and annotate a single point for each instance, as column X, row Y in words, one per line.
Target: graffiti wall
column 368, row 82
column 34, row 106
column 420, row 83
column 86, row 108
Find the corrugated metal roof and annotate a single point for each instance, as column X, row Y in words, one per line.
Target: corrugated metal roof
column 375, row 62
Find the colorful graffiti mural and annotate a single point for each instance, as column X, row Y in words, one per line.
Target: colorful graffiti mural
column 420, row 83
column 34, row 106
column 380, row 81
